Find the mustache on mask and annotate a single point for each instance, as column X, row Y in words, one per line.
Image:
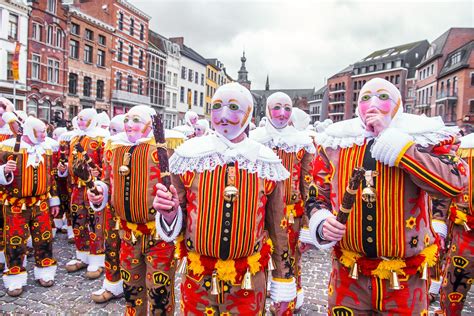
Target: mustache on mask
column 227, row 121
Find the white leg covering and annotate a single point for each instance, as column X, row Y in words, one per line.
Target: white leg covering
column 95, row 262
column 299, row 299
column 46, row 273
column 2, row 257
column 116, row 288
column 435, row 286
column 58, row 223
column 15, row 281
column 82, row 256
column 54, row 230
column 70, row 232
column 29, row 242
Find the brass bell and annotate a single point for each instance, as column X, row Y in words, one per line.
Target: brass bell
column 230, row 193
column 117, row 224
column 23, row 207
column 6, row 203
column 466, row 227
column 291, row 218
column 354, row 273
column 124, row 170
column 157, row 236
column 214, row 284
column 134, row 239
column 271, row 265
column 369, row 196
column 394, row 283
column 247, row 281
column 424, row 274
column 182, row 267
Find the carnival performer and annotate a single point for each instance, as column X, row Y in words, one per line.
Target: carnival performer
column 295, row 149
column 29, row 195
column 201, row 128
column 88, row 226
column 190, row 119
column 60, row 223
column 146, row 256
column 459, row 268
column 382, row 254
column 103, row 120
column 5, row 133
column 112, row 287
column 230, row 191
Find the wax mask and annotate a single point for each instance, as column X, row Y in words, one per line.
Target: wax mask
column 279, row 108
column 231, row 109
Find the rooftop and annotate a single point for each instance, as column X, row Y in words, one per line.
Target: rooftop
column 457, row 59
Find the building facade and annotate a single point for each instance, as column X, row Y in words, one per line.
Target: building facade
column 47, row 59
column 156, row 58
column 89, row 63
column 318, row 105
column 215, row 77
column 340, row 92
column 191, row 81
column 13, row 31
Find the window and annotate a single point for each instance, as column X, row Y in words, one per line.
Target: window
column 75, row 29
column 168, row 77
column 35, row 66
column 118, row 81
column 202, row 79
column 190, row 75
column 87, row 86
column 175, row 97
column 181, row 95
column 471, row 106
column 74, row 49
column 201, row 99
column 130, row 55
column 59, row 38
column 53, row 71
column 37, row 32
column 472, row 78
column 102, row 40
column 168, row 99
column 9, row 66
column 51, row 6
column 398, row 63
column 129, row 83
column 183, row 72
column 49, row 38
column 100, row 58
column 142, row 32
column 89, row 35
column 456, row 58
column 120, row 21
column 13, row 27
column 100, row 89
column 140, row 60
column 397, row 79
column 120, row 51
column 195, row 98
column 132, row 26
column 196, row 77
column 140, row 86
column 175, row 79
column 88, row 51
column 72, row 83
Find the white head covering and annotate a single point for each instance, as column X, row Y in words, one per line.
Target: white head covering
column 8, row 104
column 144, row 112
column 188, row 116
column 103, row 120
column 377, row 84
column 252, row 126
column 58, row 131
column 91, row 116
column 203, row 123
column 37, row 150
column 300, row 119
column 30, row 125
column 277, row 96
column 117, row 123
column 74, row 123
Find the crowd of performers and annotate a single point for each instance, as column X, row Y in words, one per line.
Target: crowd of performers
column 232, row 207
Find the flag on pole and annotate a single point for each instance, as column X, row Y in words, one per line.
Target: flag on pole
column 15, row 62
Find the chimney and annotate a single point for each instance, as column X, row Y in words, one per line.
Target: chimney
column 177, row 40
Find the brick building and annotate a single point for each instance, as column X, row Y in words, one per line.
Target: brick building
column 430, row 67
column 47, row 59
column 156, row 57
column 89, row 63
column 13, row 30
column 339, row 89
column 128, row 69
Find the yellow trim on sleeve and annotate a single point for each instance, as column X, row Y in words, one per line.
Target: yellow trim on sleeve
column 402, row 152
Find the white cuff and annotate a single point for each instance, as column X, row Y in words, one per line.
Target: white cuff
column 29, row 242
column 70, row 232
column 283, row 291
column 316, row 219
column 3, row 178
column 15, row 281
column 58, row 223
column 299, row 299
column 54, row 201
column 2, row 257
column 95, row 262
column 440, row 228
column 388, row 146
column 116, row 288
column 46, row 273
column 173, row 230
column 82, row 256
column 435, row 286
column 305, row 236
column 63, row 175
column 105, row 193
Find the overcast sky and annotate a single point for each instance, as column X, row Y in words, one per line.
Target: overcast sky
column 300, row 43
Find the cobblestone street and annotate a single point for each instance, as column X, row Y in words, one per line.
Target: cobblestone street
column 71, row 293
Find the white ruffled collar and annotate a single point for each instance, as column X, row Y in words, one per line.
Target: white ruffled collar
column 5, row 130
column 467, row 141
column 35, row 152
column 122, row 139
column 92, row 133
column 289, row 138
column 424, row 130
column 207, row 152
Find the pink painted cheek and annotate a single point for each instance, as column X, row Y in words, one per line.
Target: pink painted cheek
column 385, row 106
column 275, row 113
column 363, row 107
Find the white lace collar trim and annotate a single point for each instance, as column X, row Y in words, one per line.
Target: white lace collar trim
column 424, row 130
column 288, row 139
column 208, row 152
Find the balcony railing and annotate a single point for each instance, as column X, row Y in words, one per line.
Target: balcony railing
column 129, row 97
column 338, row 100
column 339, row 88
column 441, row 96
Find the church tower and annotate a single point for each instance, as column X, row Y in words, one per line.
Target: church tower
column 243, row 73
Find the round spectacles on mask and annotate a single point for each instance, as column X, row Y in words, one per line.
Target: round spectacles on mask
column 381, row 96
